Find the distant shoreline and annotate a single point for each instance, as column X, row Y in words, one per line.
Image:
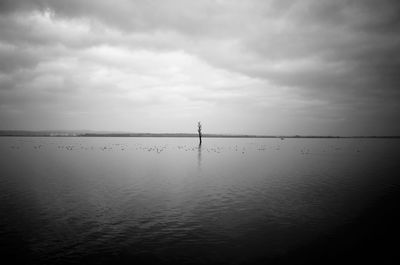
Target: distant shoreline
column 175, row 135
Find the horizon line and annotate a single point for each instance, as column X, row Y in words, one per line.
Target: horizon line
column 96, row 133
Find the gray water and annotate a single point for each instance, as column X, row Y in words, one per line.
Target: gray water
column 91, row 200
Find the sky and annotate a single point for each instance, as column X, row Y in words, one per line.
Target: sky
column 309, row 67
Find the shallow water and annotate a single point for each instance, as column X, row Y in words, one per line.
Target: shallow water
column 95, row 200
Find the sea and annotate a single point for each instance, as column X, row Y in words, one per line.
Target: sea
column 143, row 200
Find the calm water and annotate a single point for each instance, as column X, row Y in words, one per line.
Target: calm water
column 160, row 200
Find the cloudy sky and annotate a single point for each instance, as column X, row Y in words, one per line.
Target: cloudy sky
column 255, row 66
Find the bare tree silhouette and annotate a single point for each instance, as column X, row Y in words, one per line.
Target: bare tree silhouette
column 199, row 131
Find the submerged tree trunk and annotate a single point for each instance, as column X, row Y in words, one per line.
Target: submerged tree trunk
column 199, row 131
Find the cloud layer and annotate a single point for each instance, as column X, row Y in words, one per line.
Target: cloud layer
column 267, row 67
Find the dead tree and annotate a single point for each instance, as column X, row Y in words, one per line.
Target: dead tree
column 199, row 131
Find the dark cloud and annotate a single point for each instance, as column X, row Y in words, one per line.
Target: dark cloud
column 11, row 60
column 352, row 48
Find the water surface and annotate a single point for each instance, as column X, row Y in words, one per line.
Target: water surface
column 167, row 200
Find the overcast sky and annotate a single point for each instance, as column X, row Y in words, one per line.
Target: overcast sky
column 258, row 67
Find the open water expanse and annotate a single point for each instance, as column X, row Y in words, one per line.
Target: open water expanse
column 108, row 200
